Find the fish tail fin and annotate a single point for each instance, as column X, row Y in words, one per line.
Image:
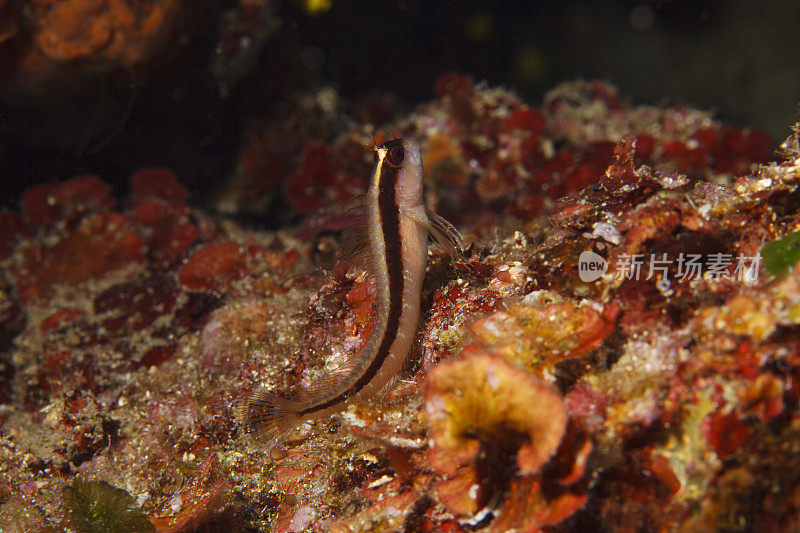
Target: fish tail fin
column 267, row 418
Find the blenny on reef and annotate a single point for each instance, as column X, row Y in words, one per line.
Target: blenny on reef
column 392, row 244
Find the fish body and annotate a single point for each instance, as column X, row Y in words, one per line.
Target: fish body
column 395, row 254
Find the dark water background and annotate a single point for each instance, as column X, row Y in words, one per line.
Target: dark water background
column 739, row 58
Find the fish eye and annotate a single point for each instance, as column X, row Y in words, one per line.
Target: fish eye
column 396, row 155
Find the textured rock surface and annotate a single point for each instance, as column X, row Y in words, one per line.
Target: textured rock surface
column 660, row 394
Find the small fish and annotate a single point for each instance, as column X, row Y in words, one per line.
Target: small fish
column 393, row 247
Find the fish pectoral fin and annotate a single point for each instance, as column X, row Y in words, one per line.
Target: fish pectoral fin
column 444, row 234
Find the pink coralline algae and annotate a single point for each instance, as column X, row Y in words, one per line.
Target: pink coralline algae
column 660, row 392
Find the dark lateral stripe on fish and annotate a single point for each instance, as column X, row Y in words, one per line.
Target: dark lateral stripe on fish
column 390, row 224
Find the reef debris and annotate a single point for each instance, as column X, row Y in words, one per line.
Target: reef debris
column 616, row 350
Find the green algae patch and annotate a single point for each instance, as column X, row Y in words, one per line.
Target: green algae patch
column 781, row 255
column 97, row 507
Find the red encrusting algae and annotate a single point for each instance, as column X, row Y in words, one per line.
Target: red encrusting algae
column 535, row 398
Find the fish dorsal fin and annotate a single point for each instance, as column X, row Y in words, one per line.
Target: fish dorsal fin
column 355, row 249
column 444, row 234
column 355, row 238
